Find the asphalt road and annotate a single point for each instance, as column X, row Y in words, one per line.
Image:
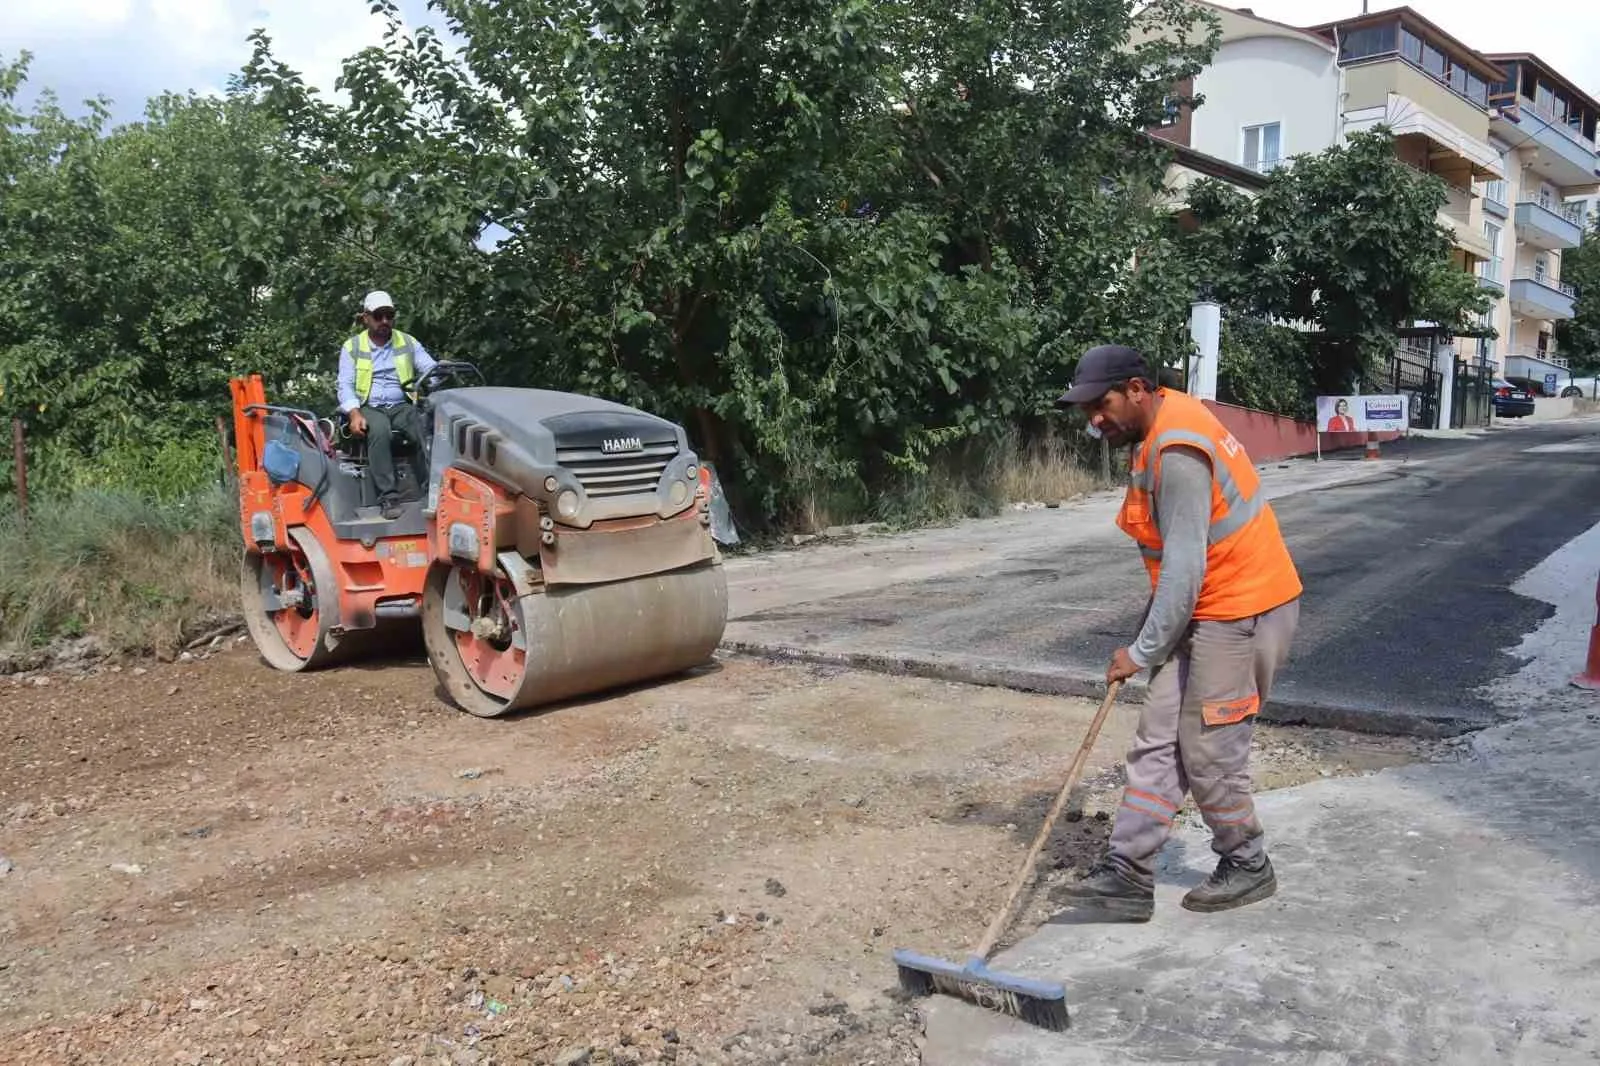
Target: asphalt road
column 1407, row 612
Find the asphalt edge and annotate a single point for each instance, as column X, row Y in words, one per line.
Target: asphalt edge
column 1280, row 710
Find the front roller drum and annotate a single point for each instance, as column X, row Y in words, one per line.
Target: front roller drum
column 494, row 651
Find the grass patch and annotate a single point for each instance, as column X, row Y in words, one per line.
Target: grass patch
column 975, row 480
column 137, row 574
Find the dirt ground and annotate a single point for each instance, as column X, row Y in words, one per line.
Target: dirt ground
column 213, row 863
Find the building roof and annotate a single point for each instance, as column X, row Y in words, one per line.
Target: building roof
column 1282, row 29
column 1214, row 167
column 1479, row 62
column 1544, row 68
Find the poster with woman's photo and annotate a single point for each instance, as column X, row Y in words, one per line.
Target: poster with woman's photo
column 1360, row 414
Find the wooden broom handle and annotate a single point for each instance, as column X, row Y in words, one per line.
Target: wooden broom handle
column 997, row 926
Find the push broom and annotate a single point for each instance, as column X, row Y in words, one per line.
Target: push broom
column 1040, row 1003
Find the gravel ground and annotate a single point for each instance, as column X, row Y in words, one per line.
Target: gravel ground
column 208, row 862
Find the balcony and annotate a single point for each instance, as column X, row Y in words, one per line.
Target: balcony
column 1549, row 225
column 1494, row 199
column 1543, row 298
column 1489, row 277
column 1456, row 215
column 1400, row 96
column 1566, row 158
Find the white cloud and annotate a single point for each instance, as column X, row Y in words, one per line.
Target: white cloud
column 1563, row 33
column 130, row 50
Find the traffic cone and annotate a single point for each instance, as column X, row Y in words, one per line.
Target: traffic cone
column 1372, row 447
column 1590, row 678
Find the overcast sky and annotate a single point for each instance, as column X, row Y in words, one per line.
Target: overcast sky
column 130, row 50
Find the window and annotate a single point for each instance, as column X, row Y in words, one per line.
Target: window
column 1262, row 147
column 1411, row 46
column 1496, row 192
column 1458, row 78
column 1169, row 115
column 1367, row 41
column 1490, row 269
column 1541, row 267
column 1433, row 61
column 1477, row 90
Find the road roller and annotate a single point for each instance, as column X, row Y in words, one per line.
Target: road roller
column 549, row 545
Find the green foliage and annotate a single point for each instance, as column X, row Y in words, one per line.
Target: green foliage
column 1266, row 366
column 829, row 236
column 1345, row 242
column 1578, row 338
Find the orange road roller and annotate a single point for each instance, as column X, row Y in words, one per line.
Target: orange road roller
column 550, row 545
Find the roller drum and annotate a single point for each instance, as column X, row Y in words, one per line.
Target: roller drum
column 574, row 640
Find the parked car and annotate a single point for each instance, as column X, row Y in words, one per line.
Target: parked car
column 1511, row 401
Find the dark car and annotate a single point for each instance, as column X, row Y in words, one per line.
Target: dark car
column 1511, row 401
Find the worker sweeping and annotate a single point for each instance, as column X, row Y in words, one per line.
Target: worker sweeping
column 1223, row 611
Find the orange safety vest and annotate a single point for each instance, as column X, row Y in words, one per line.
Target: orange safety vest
column 1248, row 567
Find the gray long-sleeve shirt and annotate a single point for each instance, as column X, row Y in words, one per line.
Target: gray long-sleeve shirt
column 1183, row 514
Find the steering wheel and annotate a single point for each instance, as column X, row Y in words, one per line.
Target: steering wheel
column 450, row 369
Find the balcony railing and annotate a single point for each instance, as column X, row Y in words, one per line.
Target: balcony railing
column 1263, row 166
column 1548, row 282
column 1534, row 353
column 1557, row 121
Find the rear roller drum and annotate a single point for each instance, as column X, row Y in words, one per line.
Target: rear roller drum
column 283, row 596
column 496, row 652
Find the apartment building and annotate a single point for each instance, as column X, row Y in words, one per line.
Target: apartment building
column 1544, row 127
column 1510, row 138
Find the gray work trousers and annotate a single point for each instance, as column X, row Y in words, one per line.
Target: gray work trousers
column 381, row 425
column 1194, row 737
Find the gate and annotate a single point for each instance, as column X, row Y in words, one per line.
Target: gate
column 1411, row 372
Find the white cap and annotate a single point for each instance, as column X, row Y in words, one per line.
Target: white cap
column 376, row 299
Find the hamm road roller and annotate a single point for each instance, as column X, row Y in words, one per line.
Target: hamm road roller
column 550, row 545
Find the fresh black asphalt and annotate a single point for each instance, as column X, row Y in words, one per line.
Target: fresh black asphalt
column 1407, row 609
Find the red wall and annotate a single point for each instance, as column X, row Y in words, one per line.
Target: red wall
column 1269, row 437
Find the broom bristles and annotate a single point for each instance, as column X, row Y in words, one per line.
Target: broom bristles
column 1030, row 1001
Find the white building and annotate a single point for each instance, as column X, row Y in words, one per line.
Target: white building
column 1512, row 140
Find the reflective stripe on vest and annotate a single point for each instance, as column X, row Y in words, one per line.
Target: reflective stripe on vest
column 1248, row 567
column 359, row 348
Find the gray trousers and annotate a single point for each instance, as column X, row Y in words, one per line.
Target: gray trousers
column 1194, row 737
column 381, row 425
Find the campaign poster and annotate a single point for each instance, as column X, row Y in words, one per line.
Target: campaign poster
column 1361, row 414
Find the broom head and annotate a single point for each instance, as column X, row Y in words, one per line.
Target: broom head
column 1038, row 1003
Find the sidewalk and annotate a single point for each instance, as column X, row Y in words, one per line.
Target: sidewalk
column 1436, row 913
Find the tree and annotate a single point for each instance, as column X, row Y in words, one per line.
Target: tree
column 1345, row 243
column 136, row 276
column 1578, row 338
column 828, row 235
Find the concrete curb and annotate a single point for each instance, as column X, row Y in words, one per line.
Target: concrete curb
column 1283, row 709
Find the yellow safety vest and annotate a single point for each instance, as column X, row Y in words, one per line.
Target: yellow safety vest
column 359, row 348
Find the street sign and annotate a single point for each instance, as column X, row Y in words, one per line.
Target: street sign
column 1550, row 388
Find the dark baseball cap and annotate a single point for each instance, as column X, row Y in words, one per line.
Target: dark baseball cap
column 1102, row 367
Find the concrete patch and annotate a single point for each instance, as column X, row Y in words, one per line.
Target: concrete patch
column 1442, row 913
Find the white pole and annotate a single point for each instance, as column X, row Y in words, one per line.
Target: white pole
column 1445, row 364
column 1205, row 328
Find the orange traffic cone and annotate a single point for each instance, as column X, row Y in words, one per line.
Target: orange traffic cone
column 1372, row 447
column 1590, row 678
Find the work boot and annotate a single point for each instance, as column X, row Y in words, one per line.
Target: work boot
column 1111, row 888
column 391, row 507
column 1232, row 884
